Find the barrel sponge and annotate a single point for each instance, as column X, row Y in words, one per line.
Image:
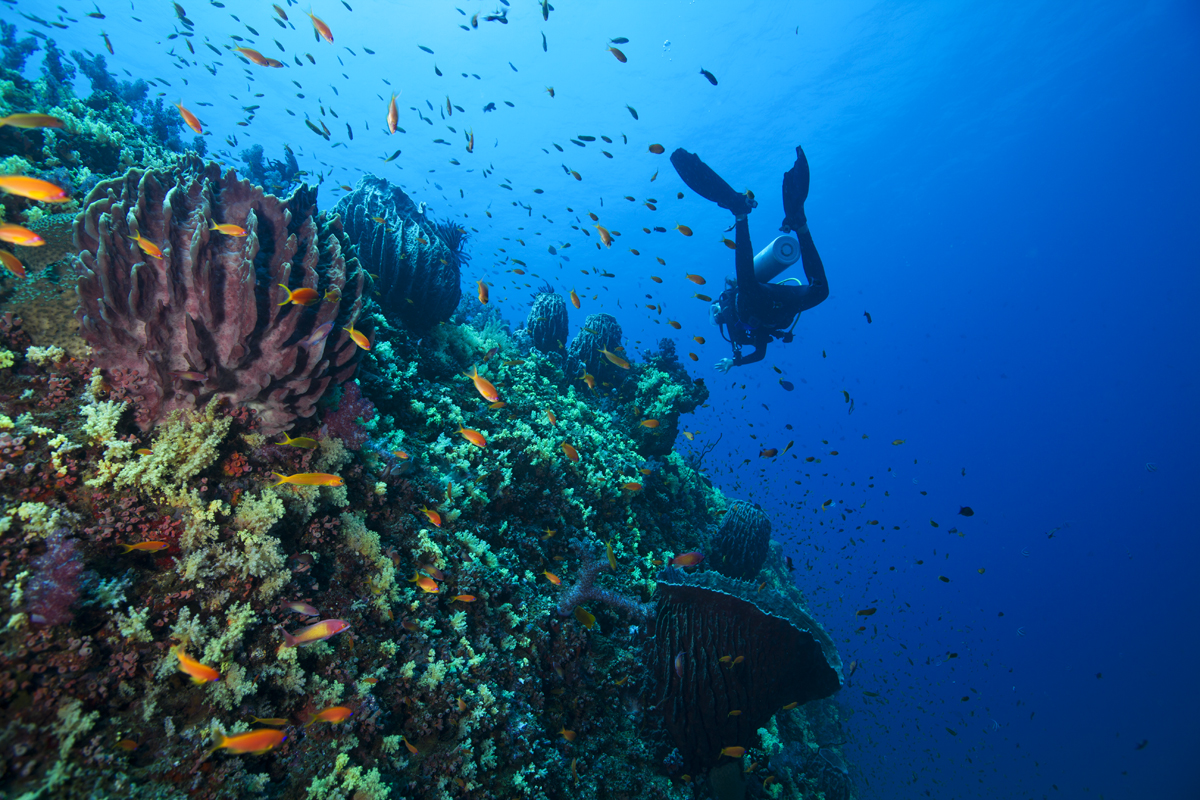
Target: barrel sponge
column 702, row 617
column 547, row 322
column 739, row 547
column 599, row 331
column 209, row 320
column 419, row 262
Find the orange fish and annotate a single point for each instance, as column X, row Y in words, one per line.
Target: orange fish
column 332, row 715
column 148, row 547
column 190, row 119
column 301, row 297
column 696, row 279
column 649, row 423
column 483, row 292
column 658, row 150
column 33, row 188
column 550, row 576
column 333, row 294
column 497, row 405
column 574, row 298
column 358, row 337
column 684, row 229
column 127, row 744
column 733, row 752
column 660, row 260
column 631, row 487
column 308, row 479
column 12, row 263
column 687, row 559
column 617, row 54
column 474, row 437
column 615, row 359
column 699, row 339
column 313, row 633
column 570, row 451
column 732, row 245
column 276, row 722
column 321, row 27
column 434, row 517
column 407, row 744
column 258, row 741
column 15, row 234
column 769, row 452
column 228, row 229
column 426, row 583
column 566, row 734
column 300, row 441
column 550, row 417
column 463, row 598
column 198, row 672
column 482, row 385
column 674, row 324
column 605, row 236
column 656, row 279
column 393, row 114
column 865, row 612
column 148, row 247
column 400, row 454
column 31, row 121
column 590, row 380
column 254, row 56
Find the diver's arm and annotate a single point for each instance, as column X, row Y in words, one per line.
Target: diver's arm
column 760, row 350
column 818, row 286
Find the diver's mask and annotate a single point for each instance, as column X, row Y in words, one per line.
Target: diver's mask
column 714, row 313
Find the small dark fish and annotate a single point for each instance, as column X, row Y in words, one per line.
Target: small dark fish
column 787, row 385
column 514, row 69
column 576, row 141
column 587, row 138
column 489, row 107
column 510, row 105
column 437, row 71
column 393, row 156
column 966, row 511
column 368, row 51
column 349, row 131
column 426, row 49
column 711, row 78
column 632, row 111
column 867, row 314
column 1142, row 744
column 544, row 49
column 619, row 40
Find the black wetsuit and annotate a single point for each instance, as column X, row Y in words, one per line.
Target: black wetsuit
column 763, row 311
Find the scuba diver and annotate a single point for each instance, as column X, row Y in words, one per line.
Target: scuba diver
column 753, row 310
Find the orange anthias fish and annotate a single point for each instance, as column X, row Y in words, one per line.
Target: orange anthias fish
column 696, row 279
column 321, row 27
column 617, row 54
column 33, row 188
column 313, row 633
column 308, row 479
column 649, row 423
column 393, row 114
column 434, row 517
column 301, row 608
column 12, row 263
column 463, row 598
column 427, row 584
column 631, row 487
column 570, row 451
column 590, row 380
column 658, row 150
column 684, row 229
column 31, row 121
column 733, row 752
column 566, row 734
column 148, row 247
column 198, row 672
column 148, row 547
column 303, row 296
column 358, row 337
column 190, row 119
column 15, row 234
column 483, row 292
column 550, row 576
column 333, row 715
column 482, row 385
column 300, row 441
column 615, row 359
column 254, row 56
column 605, row 236
column 687, row 559
column 256, row 742
column 574, row 298
column 228, row 229
column 473, row 436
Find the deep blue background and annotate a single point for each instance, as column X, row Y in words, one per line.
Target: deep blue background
column 1009, row 189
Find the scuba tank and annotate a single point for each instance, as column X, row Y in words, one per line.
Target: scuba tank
column 775, row 258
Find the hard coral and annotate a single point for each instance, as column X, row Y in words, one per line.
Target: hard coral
column 547, row 321
column 210, row 319
column 739, row 547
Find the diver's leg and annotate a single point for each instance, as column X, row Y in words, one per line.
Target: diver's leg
column 701, row 179
column 750, row 295
column 795, row 192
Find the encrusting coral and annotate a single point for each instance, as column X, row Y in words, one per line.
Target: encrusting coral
column 209, row 316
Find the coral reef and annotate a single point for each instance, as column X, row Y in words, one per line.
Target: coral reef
column 210, row 318
column 739, row 547
column 721, row 646
column 418, row 262
column 599, row 331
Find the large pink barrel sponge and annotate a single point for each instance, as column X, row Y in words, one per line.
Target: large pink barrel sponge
column 205, row 320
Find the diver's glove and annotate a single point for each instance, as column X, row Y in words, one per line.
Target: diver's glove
column 724, row 365
column 795, row 192
column 701, row 179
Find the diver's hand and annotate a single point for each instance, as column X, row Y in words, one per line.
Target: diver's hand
column 795, row 192
column 724, row 365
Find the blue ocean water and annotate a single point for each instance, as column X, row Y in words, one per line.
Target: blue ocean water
column 1009, row 190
